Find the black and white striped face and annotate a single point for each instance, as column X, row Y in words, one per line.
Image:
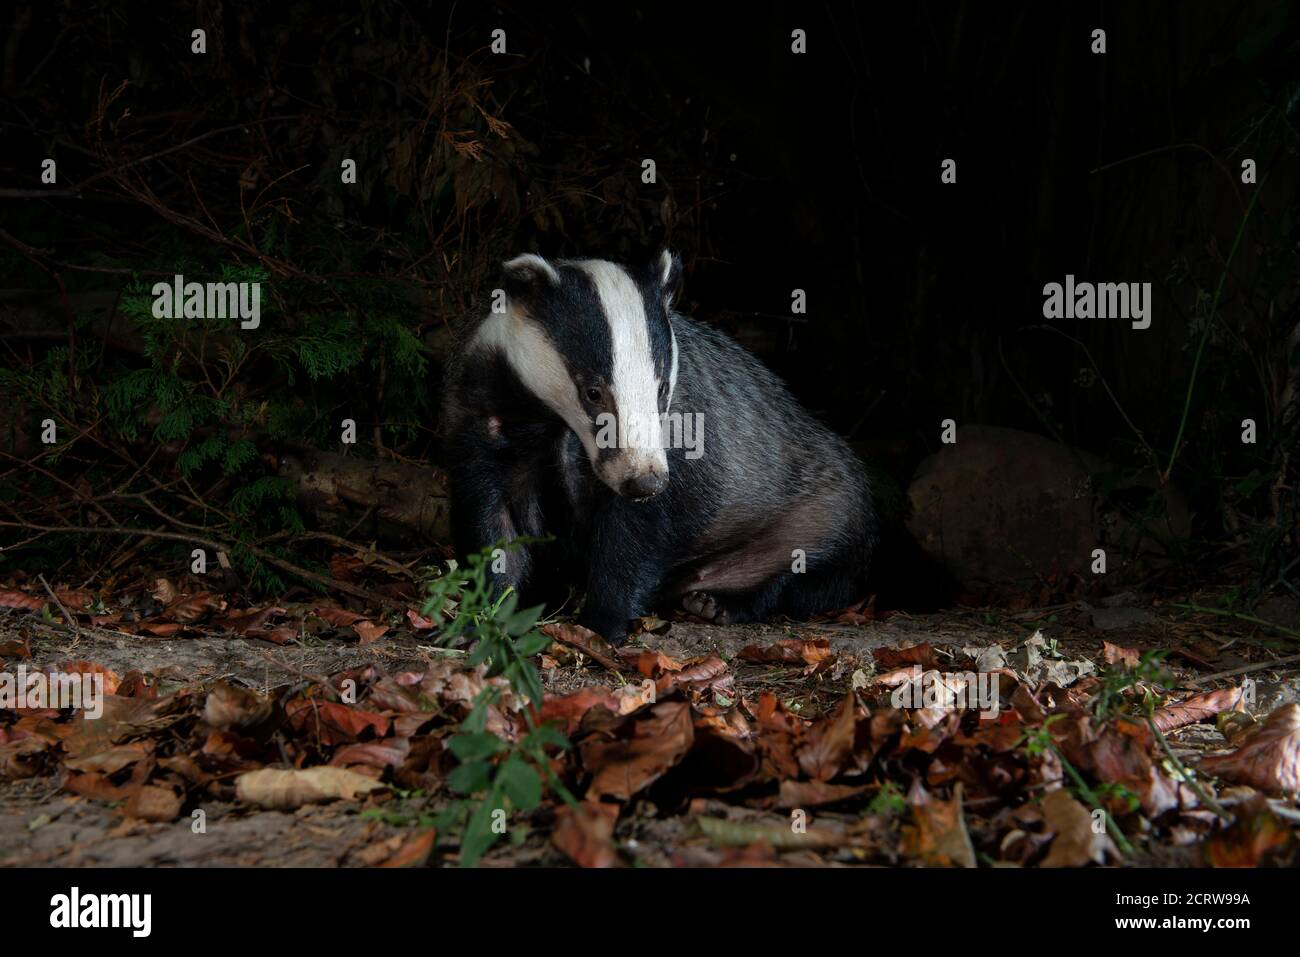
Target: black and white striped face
column 594, row 342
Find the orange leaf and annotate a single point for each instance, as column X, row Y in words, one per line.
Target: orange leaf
column 368, row 631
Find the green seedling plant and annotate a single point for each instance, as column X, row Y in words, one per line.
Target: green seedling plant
column 1114, row 699
column 494, row 775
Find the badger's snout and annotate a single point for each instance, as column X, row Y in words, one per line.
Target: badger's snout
column 642, row 487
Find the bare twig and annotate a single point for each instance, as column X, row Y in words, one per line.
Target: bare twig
column 72, row 622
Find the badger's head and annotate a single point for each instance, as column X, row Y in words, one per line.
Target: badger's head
column 593, row 341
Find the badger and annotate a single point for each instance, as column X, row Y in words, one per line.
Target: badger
column 643, row 457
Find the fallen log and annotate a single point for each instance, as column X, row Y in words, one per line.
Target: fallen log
column 388, row 501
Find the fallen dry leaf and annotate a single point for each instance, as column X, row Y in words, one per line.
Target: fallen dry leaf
column 368, row 631
column 921, row 654
column 1076, row 843
column 812, row 652
column 153, row 803
column 10, row 598
column 338, row 617
column 937, row 834
column 162, row 629
column 586, row 641
column 1130, row 658
column 1269, row 759
column 829, row 742
column 413, row 851
column 801, row 794
column 112, row 760
column 229, row 707
column 660, row 737
column 194, row 607
column 1198, row 708
column 390, row 752
column 1255, row 835
column 571, row 707
column 780, row 835
column 334, row 722
column 418, row 622
column 585, row 834
column 246, row 621
column 284, row 790
column 88, row 668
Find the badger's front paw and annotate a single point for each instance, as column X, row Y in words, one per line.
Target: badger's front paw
column 703, row 605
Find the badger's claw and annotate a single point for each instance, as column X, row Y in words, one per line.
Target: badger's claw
column 703, row 605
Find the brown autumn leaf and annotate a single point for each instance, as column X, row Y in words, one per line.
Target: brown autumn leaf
column 96, row 786
column 803, row 794
column 136, row 684
column 160, row 629
column 708, row 673
column 937, row 835
column 74, row 599
column 921, row 654
column 659, row 738
column 829, row 742
column 194, row 607
column 1121, row 754
column 390, row 752
column 1130, row 658
column 344, row 568
column 22, row 758
column 570, row 708
column 368, row 631
column 164, row 592
column 635, row 695
column 812, row 652
column 413, row 851
column 254, row 619
column 1255, row 836
column 15, row 648
column 1201, row 707
column 1269, row 759
column 418, row 622
column 280, row 635
column 11, row 598
column 153, row 803
column 899, row 676
column 1075, row 844
column 338, row 617
column 587, row 641
column 228, row 707
column 111, row 760
column 285, row 790
column 333, row 721
column 855, row 615
column 584, row 834
column 648, row 661
column 80, row 667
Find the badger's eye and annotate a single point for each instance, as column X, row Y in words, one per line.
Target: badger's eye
column 593, row 393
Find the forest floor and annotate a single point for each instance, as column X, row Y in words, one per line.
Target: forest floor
column 45, row 823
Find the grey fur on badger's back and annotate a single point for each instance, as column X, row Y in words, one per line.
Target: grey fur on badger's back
column 719, row 533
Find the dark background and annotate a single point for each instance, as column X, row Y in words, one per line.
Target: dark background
column 775, row 172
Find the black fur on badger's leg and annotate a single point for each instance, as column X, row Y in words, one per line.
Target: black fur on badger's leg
column 625, row 554
column 495, row 500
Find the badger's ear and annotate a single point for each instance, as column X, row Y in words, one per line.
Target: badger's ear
column 668, row 272
column 527, row 274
